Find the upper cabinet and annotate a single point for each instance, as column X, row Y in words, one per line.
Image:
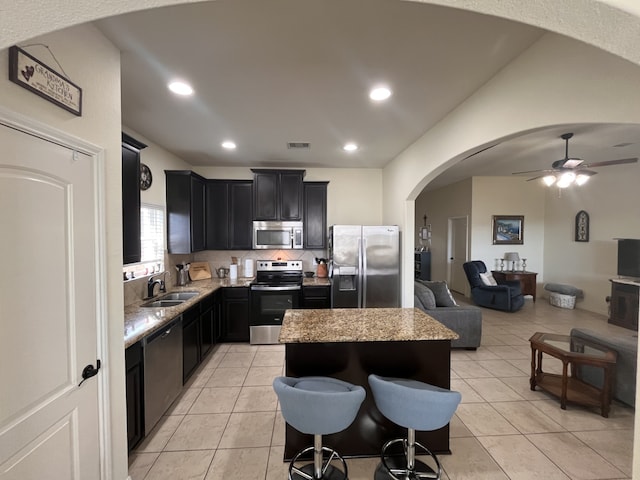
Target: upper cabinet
column 131, row 249
column 315, row 215
column 277, row 194
column 229, row 214
column 186, row 231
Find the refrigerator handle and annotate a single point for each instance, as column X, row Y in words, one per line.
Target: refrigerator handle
column 363, row 275
column 359, row 279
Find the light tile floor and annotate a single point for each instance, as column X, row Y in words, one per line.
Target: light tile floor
column 226, row 425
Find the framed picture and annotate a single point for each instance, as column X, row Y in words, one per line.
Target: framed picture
column 508, row 229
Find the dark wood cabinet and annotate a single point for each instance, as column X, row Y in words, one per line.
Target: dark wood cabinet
column 624, row 305
column 315, row 215
column 131, row 247
column 277, row 194
column 185, row 194
column 235, row 314
column 135, row 395
column 316, row 296
column 422, row 265
column 190, row 341
column 229, row 213
column 528, row 280
column 207, row 326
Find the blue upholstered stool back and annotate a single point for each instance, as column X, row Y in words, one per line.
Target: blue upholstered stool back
column 318, row 405
column 413, row 404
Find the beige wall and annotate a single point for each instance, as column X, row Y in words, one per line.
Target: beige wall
column 611, row 199
column 508, row 196
column 93, row 63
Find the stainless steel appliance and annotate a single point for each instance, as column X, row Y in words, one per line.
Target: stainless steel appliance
column 277, row 287
column 162, row 371
column 365, row 266
column 277, row 235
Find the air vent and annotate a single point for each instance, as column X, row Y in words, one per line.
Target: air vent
column 299, row 145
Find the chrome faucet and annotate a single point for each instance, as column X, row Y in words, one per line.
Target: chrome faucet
column 153, row 281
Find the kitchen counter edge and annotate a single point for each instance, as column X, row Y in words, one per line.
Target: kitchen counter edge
column 141, row 321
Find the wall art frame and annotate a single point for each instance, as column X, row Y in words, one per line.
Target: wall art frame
column 508, row 230
column 582, row 226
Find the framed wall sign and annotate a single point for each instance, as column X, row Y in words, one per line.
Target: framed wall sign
column 582, row 226
column 508, row 229
column 32, row 74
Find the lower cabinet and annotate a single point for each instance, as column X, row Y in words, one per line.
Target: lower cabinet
column 190, row 341
column 235, row 314
column 624, row 305
column 316, row 297
column 207, row 326
column 135, row 394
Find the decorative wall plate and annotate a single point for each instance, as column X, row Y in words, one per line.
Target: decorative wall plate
column 145, row 177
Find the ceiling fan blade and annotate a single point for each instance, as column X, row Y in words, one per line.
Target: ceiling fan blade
column 533, row 171
column 535, row 178
column 620, row 161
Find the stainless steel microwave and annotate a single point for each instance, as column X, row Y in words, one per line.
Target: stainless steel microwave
column 277, row 235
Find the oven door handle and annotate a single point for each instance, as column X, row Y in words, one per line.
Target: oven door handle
column 270, row 288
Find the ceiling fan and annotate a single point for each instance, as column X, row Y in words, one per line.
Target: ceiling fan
column 567, row 171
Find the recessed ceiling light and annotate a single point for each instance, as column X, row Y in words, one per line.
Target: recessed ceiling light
column 229, row 145
column 379, row 93
column 180, row 88
column 350, row 147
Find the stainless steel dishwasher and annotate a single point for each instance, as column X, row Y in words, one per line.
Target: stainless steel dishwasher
column 162, row 371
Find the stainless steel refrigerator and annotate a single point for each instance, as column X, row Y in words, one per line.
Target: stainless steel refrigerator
column 365, row 266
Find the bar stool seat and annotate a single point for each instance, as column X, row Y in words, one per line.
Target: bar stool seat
column 416, row 406
column 318, row 406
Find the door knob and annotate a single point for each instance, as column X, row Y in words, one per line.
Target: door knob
column 90, row 371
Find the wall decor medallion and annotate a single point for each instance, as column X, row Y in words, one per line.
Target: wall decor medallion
column 145, row 177
column 508, row 229
column 582, row 226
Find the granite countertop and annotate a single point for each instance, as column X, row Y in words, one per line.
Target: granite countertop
column 361, row 325
column 141, row 321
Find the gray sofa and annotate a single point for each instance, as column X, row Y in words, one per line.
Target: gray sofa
column 626, row 365
column 466, row 320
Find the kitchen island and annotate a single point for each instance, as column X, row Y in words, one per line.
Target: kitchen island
column 349, row 344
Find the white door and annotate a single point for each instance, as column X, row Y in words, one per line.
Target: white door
column 49, row 427
column 458, row 254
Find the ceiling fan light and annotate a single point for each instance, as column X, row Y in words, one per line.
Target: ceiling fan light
column 566, row 179
column 549, row 180
column 581, row 179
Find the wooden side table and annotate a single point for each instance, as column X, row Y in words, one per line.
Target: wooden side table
column 574, row 352
column 527, row 280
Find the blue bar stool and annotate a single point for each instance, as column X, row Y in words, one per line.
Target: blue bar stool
column 318, row 406
column 415, row 406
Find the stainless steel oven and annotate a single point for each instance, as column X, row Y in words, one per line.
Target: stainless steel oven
column 278, row 287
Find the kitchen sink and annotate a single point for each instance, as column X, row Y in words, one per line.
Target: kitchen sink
column 170, row 299
column 179, row 296
column 162, row 303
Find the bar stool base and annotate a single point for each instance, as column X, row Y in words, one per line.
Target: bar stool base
column 329, row 472
column 394, row 466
